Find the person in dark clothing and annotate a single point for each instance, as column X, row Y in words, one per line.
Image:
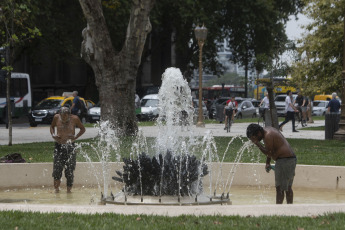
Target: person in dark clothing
column 75, row 104
column 333, row 105
column 299, row 101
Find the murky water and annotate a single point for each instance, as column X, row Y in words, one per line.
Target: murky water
column 239, row 196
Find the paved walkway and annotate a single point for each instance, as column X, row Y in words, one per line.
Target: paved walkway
column 23, row 133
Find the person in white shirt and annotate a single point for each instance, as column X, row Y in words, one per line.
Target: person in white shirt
column 290, row 110
column 229, row 111
column 266, row 103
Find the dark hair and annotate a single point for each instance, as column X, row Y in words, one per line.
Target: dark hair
column 287, row 93
column 253, row 130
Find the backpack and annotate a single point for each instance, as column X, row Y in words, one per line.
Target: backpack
column 12, row 158
column 82, row 106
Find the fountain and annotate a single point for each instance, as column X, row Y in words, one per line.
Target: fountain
column 173, row 174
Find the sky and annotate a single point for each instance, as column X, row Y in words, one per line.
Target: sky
column 293, row 27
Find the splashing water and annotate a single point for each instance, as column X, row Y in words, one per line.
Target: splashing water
column 108, row 143
column 180, row 159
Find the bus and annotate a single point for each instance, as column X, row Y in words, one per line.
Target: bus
column 216, row 91
column 281, row 86
column 20, row 94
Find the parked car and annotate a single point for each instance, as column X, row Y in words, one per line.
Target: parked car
column 94, row 113
column 319, row 108
column 89, row 104
column 256, row 104
column 196, row 108
column 245, row 109
column 149, row 107
column 279, row 101
column 45, row 110
column 213, row 107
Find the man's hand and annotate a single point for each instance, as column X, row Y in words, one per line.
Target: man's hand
column 268, row 168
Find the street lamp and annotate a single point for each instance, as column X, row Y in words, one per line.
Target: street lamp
column 200, row 35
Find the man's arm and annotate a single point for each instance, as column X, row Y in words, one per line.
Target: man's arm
column 268, row 148
column 52, row 128
column 293, row 107
column 81, row 127
column 328, row 107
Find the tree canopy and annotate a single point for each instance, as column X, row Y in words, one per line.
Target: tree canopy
column 319, row 67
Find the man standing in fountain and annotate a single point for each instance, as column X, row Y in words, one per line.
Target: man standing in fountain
column 64, row 153
column 277, row 148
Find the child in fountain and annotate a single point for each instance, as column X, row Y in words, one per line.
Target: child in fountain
column 64, row 154
column 277, row 148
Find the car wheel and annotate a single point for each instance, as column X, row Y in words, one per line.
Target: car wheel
column 239, row 116
column 33, row 124
column 324, row 113
column 83, row 120
column 254, row 115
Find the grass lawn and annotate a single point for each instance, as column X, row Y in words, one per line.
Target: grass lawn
column 36, row 221
column 308, row 151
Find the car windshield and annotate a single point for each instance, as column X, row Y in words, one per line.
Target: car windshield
column 149, row 102
column 280, row 98
column 49, row 104
column 196, row 104
column 319, row 104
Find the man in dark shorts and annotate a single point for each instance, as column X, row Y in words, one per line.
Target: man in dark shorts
column 64, row 154
column 277, row 148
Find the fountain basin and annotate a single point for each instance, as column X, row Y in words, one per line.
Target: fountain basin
column 27, row 175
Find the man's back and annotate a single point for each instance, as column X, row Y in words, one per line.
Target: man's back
column 334, row 105
column 276, row 143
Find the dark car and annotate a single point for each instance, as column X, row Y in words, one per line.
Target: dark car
column 45, row 110
column 213, row 107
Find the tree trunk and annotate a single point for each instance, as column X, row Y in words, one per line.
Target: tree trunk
column 8, row 93
column 115, row 73
column 273, row 109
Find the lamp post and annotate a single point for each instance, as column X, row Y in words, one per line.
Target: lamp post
column 200, row 35
column 340, row 134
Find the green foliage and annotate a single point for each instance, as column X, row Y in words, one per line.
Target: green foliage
column 256, row 29
column 36, row 220
column 321, row 49
column 227, row 79
column 16, row 18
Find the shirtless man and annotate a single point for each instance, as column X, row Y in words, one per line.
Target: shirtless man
column 64, row 154
column 277, row 148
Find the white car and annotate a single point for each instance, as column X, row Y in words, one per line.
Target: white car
column 279, row 101
column 149, row 107
column 319, row 108
column 94, row 114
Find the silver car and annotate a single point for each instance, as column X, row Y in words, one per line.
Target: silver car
column 245, row 109
column 319, row 108
column 196, row 108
